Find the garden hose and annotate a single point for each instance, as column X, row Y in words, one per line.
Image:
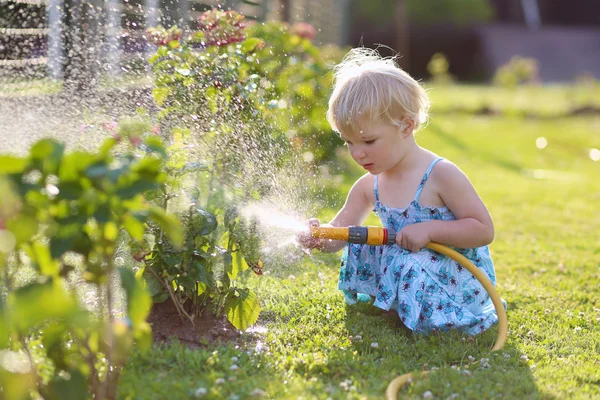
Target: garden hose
column 381, row 236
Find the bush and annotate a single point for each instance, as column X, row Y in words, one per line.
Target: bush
column 64, row 212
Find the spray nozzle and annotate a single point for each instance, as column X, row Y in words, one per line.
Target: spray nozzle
column 373, row 235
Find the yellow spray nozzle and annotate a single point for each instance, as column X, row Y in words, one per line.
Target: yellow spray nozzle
column 372, row 235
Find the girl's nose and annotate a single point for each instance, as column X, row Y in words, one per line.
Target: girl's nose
column 358, row 153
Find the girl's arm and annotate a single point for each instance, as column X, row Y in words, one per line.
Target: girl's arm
column 473, row 226
column 354, row 212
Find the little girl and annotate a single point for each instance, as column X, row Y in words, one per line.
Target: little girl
column 376, row 107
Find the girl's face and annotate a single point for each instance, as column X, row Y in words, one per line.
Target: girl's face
column 377, row 146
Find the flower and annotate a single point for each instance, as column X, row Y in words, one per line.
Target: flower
column 303, row 29
column 161, row 36
column 221, row 28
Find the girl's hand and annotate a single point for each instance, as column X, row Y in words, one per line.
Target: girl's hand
column 414, row 237
column 304, row 238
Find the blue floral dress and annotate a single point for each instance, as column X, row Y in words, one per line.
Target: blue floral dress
column 428, row 290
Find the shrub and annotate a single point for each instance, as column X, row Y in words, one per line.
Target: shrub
column 64, row 212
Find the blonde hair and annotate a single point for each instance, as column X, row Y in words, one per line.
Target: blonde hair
column 366, row 85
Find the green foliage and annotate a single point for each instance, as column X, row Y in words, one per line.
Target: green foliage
column 239, row 94
column 59, row 207
column 313, row 346
column 519, row 70
column 427, row 11
column 457, row 11
column 439, row 68
column 299, row 84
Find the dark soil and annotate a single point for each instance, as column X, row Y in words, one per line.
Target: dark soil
column 168, row 326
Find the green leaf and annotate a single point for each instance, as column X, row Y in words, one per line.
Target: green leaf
column 169, row 224
column 134, row 227
column 12, row 165
column 137, row 187
column 143, row 336
column 204, row 222
column 103, row 214
column 4, row 325
column 212, row 96
column 46, row 155
column 238, row 264
column 138, row 298
column 23, row 227
column 250, row 44
column 39, row 302
column 41, row 256
column 155, row 144
column 73, row 164
column 107, row 146
column 69, row 386
column 82, row 244
column 111, row 231
column 160, row 94
column 242, row 308
column 153, row 286
column 16, row 386
column 70, row 190
column 53, row 337
column 63, row 240
column 97, row 170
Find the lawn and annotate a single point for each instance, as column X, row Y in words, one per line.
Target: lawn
column 309, row 344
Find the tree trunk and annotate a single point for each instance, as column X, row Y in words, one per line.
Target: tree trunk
column 285, row 10
column 402, row 33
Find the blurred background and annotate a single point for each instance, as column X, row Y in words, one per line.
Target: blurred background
column 474, row 37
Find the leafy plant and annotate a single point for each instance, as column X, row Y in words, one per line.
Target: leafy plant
column 240, row 99
column 61, row 216
column 519, row 70
column 439, row 68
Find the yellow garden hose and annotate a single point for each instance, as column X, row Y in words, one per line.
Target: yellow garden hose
column 398, row 383
column 381, row 236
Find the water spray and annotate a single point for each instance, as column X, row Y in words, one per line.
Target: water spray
column 378, row 236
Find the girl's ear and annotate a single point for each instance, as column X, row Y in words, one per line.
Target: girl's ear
column 407, row 126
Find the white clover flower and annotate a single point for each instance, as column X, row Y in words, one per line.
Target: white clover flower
column 234, row 367
column 234, row 359
column 524, row 357
column 374, row 345
column 200, row 392
column 358, row 337
column 258, row 393
column 577, row 329
column 220, row 381
column 428, row 395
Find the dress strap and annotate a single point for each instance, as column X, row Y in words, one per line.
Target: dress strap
column 375, row 188
column 420, row 188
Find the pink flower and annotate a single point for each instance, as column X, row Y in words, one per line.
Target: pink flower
column 304, row 29
column 222, row 27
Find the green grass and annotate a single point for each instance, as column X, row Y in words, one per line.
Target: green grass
column 545, row 207
column 546, row 101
